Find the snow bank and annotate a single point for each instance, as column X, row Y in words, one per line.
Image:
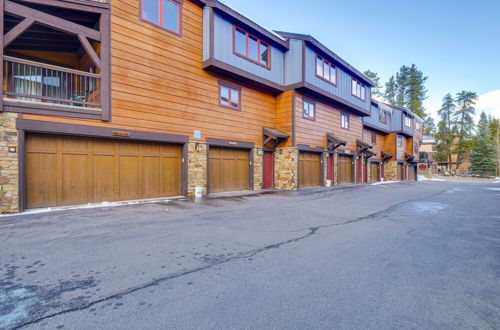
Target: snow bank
column 87, row 206
column 385, row 182
column 423, row 178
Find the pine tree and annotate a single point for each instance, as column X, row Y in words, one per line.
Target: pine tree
column 445, row 135
column 429, row 126
column 402, row 78
column 390, row 91
column 495, row 135
column 416, row 92
column 466, row 100
column 377, row 87
column 484, row 151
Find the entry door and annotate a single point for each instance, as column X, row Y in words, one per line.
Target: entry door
column 400, row 172
column 330, row 172
column 268, row 169
column 345, row 170
column 359, row 175
column 228, row 169
column 309, row 169
column 366, row 171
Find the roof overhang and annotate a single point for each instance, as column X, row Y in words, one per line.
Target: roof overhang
column 376, row 128
column 369, row 154
column 386, row 155
column 334, row 142
column 363, row 146
column 274, row 136
column 409, row 157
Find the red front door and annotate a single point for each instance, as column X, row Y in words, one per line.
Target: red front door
column 268, row 169
column 329, row 168
column 359, row 174
column 382, row 171
column 366, row 171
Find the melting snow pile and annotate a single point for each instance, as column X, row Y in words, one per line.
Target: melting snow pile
column 385, row 182
column 423, row 178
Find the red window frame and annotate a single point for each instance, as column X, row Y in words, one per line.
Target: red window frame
column 232, row 89
column 344, row 114
column 259, row 42
column 330, row 67
column 308, row 117
column 362, row 95
column 160, row 15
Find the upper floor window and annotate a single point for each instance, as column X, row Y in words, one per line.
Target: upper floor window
column 417, row 125
column 309, row 109
column 407, row 121
column 165, row 13
column 358, row 89
column 374, row 138
column 326, row 70
column 400, row 141
column 251, row 48
column 229, row 96
column 344, row 120
column 383, row 116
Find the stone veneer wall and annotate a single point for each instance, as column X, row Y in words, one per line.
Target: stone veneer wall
column 286, row 163
column 9, row 164
column 197, row 167
column 391, row 170
column 258, row 168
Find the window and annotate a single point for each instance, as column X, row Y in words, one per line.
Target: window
column 325, row 70
column 382, row 116
column 400, row 141
column 358, row 89
column 229, row 96
column 309, row 109
column 374, row 138
column 165, row 13
column 417, row 125
column 344, row 120
column 407, row 121
column 251, row 48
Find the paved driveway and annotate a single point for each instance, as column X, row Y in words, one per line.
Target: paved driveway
column 409, row 255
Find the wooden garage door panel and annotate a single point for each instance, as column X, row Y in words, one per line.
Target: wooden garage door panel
column 345, row 169
column 75, row 177
column 374, row 172
column 41, row 174
column 103, row 170
column 228, row 169
column 309, row 169
column 62, row 170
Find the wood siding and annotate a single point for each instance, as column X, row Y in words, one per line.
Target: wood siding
column 378, row 146
column 158, row 83
column 284, row 116
column 327, row 120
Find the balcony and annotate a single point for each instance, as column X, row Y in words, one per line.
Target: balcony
column 39, row 83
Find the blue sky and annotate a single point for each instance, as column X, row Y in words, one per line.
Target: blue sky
column 456, row 43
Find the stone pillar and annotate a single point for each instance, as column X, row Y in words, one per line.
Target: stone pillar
column 356, row 157
column 391, row 170
column 325, row 158
column 197, row 167
column 258, row 168
column 336, row 168
column 9, row 164
column 286, row 166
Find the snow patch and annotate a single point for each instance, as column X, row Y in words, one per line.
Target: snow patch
column 87, row 206
column 423, row 178
column 494, row 189
column 384, row 182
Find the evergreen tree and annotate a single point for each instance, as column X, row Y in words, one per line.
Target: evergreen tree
column 495, row 135
column 377, row 87
column 416, row 91
column 484, row 151
column 429, row 126
column 402, row 78
column 466, row 100
column 445, row 135
column 390, row 91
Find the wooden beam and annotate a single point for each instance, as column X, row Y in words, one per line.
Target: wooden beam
column 50, row 20
column 90, row 51
column 17, row 30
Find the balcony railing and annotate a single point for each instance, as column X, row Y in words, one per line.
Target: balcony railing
column 44, row 83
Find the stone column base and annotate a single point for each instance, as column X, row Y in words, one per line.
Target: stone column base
column 197, row 167
column 391, row 170
column 286, row 166
column 9, row 164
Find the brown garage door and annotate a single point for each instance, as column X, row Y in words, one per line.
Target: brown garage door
column 345, row 170
column 228, row 169
column 309, row 169
column 374, row 172
column 62, row 170
column 412, row 174
column 401, row 172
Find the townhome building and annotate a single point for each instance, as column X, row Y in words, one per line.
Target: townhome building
column 144, row 99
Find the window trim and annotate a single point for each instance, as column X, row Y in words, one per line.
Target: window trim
column 409, row 120
column 348, row 115
column 362, row 86
column 259, row 41
column 158, row 25
column 330, row 64
column 230, row 86
column 386, row 120
column 310, row 101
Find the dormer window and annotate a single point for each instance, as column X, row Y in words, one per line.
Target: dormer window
column 383, row 116
column 251, row 48
column 358, row 89
column 164, row 13
column 326, row 70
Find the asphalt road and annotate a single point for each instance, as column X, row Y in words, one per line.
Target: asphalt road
column 399, row 256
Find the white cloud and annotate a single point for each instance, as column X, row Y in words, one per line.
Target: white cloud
column 489, row 103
